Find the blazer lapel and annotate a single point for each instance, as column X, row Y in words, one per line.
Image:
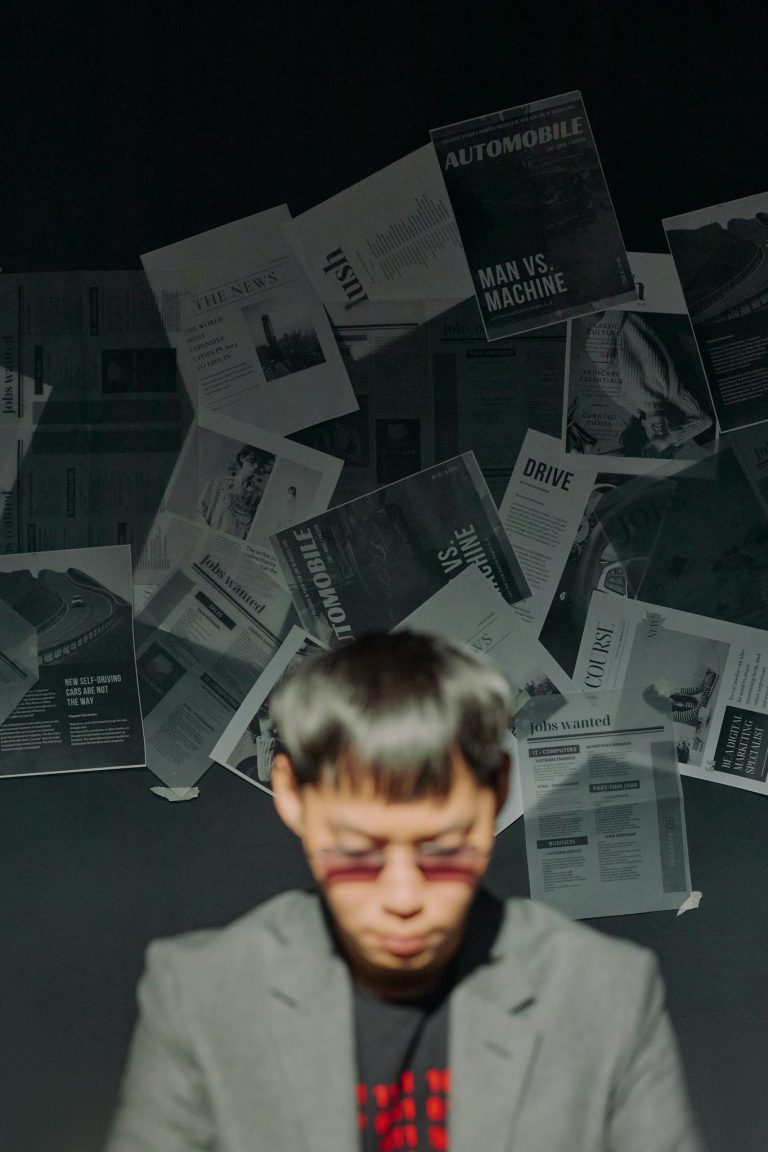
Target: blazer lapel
column 311, row 1006
column 493, row 1041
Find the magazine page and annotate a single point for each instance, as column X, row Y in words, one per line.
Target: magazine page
column 245, row 483
column 18, row 658
column 636, row 396
column 534, row 214
column 542, row 510
column 83, row 713
column 707, row 675
column 719, row 253
column 203, row 639
column 604, row 819
column 391, row 236
column 365, row 565
column 487, row 396
column 94, row 411
column 469, row 611
column 255, row 341
column 247, row 744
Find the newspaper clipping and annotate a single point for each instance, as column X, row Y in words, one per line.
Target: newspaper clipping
column 255, row 343
column 83, row 711
column 707, row 675
column 534, row 213
column 392, row 236
column 203, row 638
column 604, row 819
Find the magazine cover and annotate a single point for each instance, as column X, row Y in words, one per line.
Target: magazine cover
column 83, row 713
column 365, row 565
column 719, row 253
column 534, row 214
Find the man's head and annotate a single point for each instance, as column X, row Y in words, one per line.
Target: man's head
column 392, row 776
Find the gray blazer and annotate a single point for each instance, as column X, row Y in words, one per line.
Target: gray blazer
column 558, row 1040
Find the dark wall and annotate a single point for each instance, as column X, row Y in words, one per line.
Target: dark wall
column 130, row 126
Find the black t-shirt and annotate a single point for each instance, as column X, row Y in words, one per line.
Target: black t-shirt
column 403, row 1079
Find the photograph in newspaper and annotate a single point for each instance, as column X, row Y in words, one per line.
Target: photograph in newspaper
column 83, row 713
column 365, row 565
column 469, row 611
column 534, row 214
column 604, row 819
column 248, row 744
column 202, row 640
column 94, row 411
column 18, row 658
column 255, row 342
column 710, row 555
column 719, row 253
column 392, row 236
column 247, row 483
column 707, row 675
column 635, row 388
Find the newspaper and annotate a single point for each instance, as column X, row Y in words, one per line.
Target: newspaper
column 365, row 565
column 635, row 390
column 604, row 819
column 248, row 743
column 469, row 611
column 390, row 236
column 429, row 389
column 242, row 482
column 203, row 638
column 83, row 713
column 710, row 677
column 542, row 511
column 93, row 411
column 18, row 658
column 255, row 342
column 534, row 214
column 719, row 253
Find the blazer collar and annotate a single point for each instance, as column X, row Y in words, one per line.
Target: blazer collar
column 492, row 1042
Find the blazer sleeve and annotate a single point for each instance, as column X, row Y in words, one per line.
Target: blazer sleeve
column 164, row 1104
column 650, row 1109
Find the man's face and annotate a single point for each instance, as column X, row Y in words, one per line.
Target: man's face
column 400, row 928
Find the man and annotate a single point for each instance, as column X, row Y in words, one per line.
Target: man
column 399, row 1004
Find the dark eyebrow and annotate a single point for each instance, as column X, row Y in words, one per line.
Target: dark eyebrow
column 344, row 826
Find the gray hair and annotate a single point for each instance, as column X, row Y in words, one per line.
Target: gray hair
column 392, row 707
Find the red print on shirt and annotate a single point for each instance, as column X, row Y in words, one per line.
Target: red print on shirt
column 395, row 1113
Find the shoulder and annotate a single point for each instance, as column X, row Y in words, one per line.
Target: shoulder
column 216, row 954
column 554, row 952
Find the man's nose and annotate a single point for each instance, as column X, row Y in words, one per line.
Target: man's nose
column 402, row 885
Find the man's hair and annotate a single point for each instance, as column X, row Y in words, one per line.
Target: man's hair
column 391, row 708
